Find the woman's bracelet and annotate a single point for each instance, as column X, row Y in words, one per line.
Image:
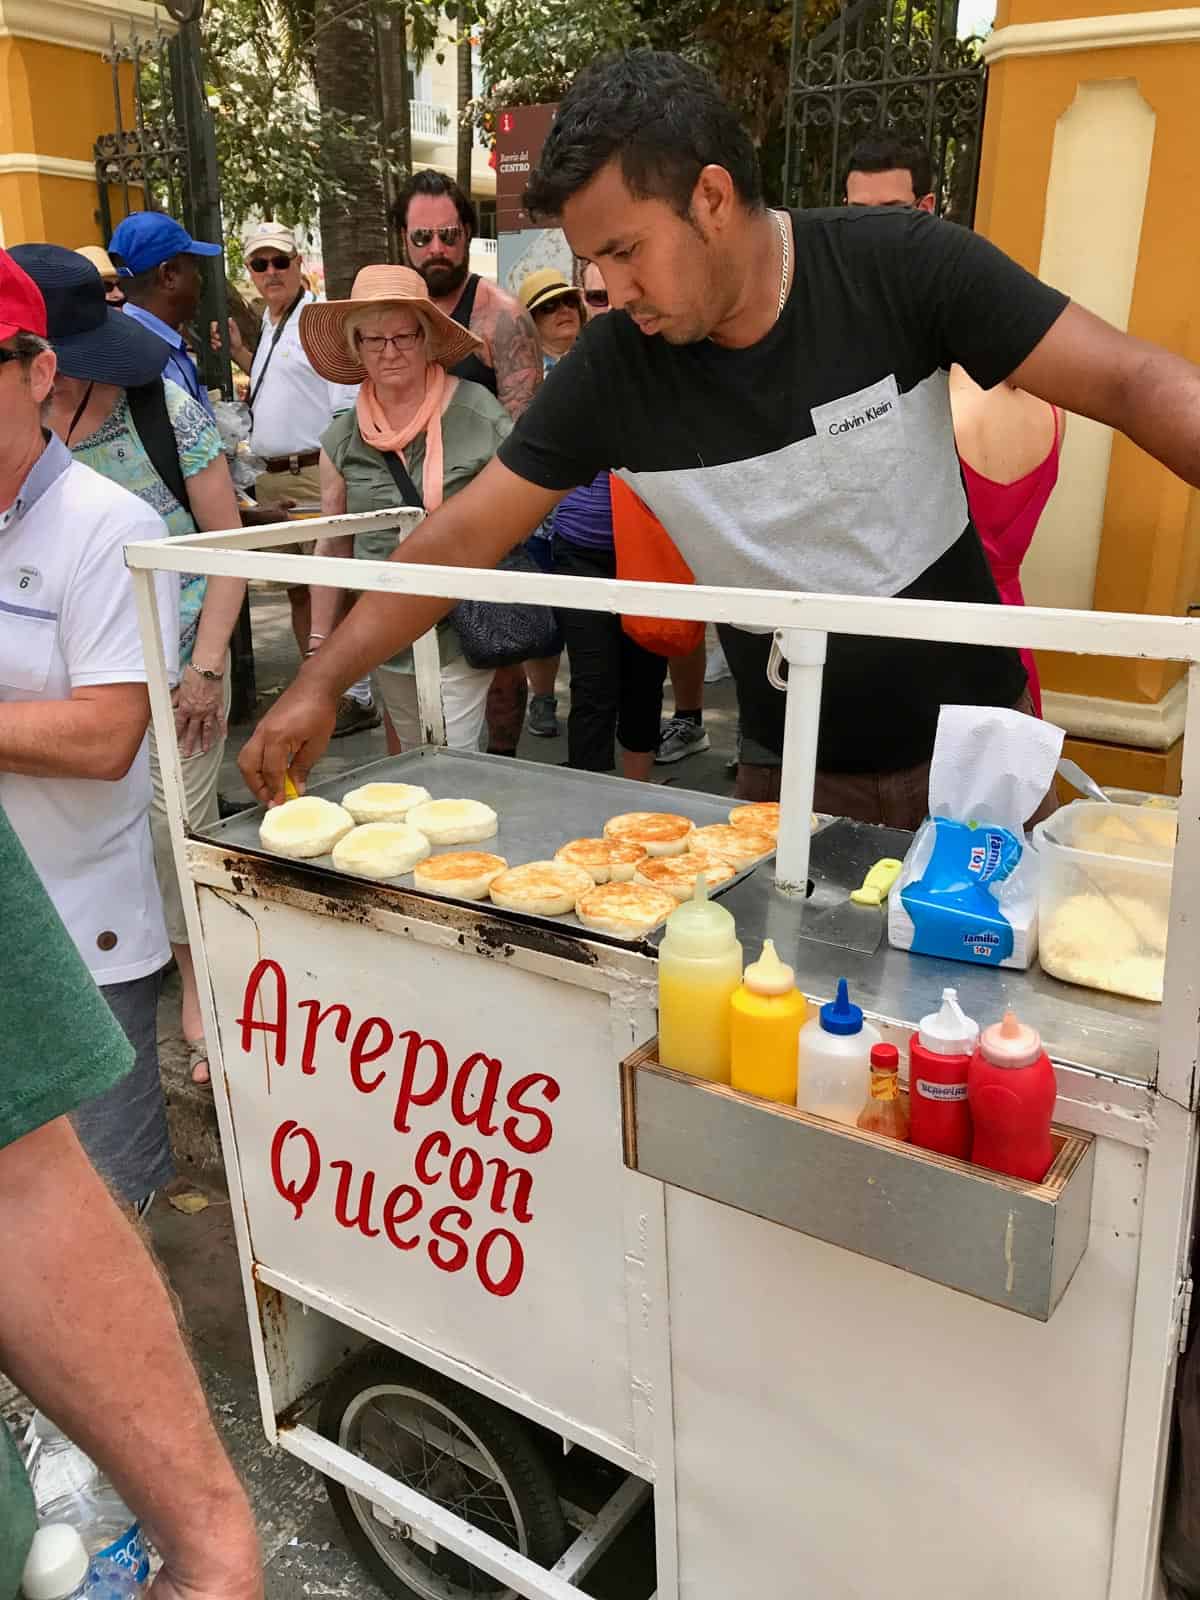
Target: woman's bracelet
column 213, row 674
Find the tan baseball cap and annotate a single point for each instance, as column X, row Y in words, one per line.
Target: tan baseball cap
column 100, row 259
column 273, row 236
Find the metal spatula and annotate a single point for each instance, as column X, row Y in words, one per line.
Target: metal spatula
column 851, row 919
column 1078, row 778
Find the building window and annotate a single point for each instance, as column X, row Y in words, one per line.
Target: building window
column 487, row 218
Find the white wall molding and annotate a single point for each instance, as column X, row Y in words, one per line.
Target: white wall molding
column 1146, row 727
column 46, row 166
column 1093, row 33
column 82, row 24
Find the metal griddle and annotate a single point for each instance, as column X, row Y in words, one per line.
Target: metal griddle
column 540, row 809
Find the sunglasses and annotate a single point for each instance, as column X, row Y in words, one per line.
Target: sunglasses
column 262, row 263
column 596, row 297
column 377, row 343
column 420, row 237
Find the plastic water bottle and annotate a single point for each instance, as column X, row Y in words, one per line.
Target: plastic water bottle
column 57, row 1568
column 69, row 1488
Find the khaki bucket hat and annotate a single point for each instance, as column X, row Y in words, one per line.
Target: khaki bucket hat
column 323, row 325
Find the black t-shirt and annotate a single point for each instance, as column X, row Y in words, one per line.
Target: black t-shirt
column 822, row 458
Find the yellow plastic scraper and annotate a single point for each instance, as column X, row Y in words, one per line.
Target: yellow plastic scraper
column 290, row 791
column 877, row 884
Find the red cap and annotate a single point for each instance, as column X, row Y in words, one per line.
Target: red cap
column 22, row 309
column 886, row 1057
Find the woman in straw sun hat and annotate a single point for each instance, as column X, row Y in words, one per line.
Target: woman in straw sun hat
column 410, row 414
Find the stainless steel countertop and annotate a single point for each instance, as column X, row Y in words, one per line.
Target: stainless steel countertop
column 1104, row 1033
column 541, row 807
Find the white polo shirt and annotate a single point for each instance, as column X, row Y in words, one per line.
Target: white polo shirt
column 67, row 620
column 294, row 405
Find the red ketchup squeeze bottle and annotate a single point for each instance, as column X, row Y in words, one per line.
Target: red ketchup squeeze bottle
column 1011, row 1092
column 939, row 1054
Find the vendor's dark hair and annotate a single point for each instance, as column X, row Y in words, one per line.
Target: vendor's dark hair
column 662, row 117
column 894, row 152
column 434, row 183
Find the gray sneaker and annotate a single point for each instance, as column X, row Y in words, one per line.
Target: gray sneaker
column 680, row 738
column 353, row 718
column 543, row 716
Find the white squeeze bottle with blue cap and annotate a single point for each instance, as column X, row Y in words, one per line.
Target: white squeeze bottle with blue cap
column 834, row 1060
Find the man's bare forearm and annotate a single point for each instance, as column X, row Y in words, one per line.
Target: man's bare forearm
column 376, row 627
column 69, row 739
column 1152, row 396
column 87, row 1331
column 474, row 529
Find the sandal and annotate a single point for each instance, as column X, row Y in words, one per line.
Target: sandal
column 198, row 1060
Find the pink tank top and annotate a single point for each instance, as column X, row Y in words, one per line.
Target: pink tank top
column 1006, row 515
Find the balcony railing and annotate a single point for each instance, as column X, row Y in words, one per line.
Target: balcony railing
column 430, row 122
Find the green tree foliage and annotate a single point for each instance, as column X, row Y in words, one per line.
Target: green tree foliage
column 532, row 49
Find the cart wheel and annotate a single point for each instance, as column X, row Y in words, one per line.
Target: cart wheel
column 467, row 1453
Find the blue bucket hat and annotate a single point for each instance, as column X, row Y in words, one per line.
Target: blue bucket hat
column 148, row 238
column 91, row 339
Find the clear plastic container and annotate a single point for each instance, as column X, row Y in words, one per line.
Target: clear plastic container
column 1143, row 797
column 1105, row 893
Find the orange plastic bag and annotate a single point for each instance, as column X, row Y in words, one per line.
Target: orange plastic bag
column 646, row 552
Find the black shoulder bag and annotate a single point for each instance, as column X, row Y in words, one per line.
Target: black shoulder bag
column 493, row 633
column 152, row 422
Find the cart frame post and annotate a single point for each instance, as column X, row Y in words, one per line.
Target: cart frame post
column 804, row 651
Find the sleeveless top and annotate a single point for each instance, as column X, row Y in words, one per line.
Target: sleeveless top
column 473, row 424
column 1006, row 518
column 471, row 367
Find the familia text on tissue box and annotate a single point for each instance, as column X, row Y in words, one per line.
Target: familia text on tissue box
column 968, row 890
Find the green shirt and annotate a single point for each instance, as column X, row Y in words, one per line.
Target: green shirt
column 473, row 426
column 59, row 1046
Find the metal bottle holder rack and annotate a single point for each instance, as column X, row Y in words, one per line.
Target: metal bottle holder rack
column 636, row 1145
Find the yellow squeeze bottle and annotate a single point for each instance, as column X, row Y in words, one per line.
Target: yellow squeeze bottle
column 767, row 1013
column 699, row 967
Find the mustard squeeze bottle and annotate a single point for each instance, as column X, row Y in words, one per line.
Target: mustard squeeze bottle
column 699, row 967
column 767, row 1012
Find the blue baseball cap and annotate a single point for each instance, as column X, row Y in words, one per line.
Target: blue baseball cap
column 148, row 238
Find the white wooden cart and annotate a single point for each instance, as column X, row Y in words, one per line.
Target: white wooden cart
column 442, row 1172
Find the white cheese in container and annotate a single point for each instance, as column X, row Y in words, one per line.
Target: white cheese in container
column 1105, row 895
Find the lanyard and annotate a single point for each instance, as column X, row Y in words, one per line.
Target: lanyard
column 278, row 334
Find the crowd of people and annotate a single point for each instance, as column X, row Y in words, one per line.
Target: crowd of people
column 774, row 397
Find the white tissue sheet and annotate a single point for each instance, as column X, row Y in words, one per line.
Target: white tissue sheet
column 991, row 769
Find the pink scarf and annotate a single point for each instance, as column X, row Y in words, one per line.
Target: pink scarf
column 377, row 431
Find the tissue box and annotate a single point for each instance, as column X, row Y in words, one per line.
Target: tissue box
column 1000, row 927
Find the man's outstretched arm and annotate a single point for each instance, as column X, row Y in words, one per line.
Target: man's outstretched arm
column 472, row 529
column 1086, row 365
column 88, row 1332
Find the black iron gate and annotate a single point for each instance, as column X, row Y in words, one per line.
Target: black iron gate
column 163, row 158
column 885, row 64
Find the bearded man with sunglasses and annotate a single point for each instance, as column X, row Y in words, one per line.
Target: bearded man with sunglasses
column 290, row 408
column 436, row 221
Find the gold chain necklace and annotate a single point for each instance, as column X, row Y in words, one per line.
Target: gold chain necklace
column 785, row 266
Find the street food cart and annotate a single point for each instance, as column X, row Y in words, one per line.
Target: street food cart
column 478, row 1223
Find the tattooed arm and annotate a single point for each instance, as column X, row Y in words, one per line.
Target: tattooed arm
column 516, row 355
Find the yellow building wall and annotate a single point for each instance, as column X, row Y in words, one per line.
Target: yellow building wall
column 1149, row 549
column 55, row 101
